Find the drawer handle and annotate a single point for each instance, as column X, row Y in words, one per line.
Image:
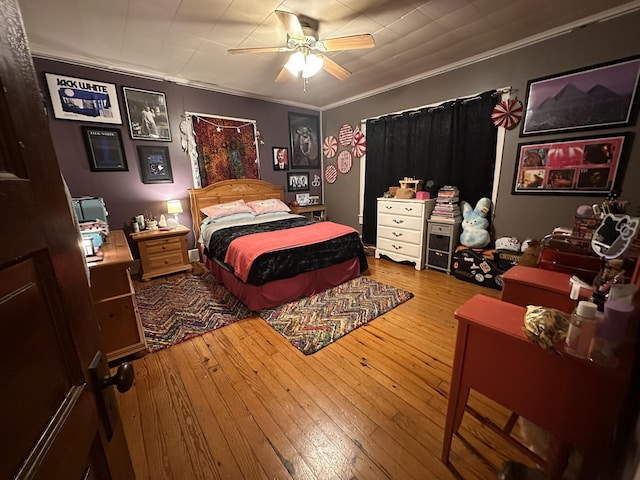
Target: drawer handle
column 408, row 209
column 396, row 234
column 388, row 207
column 397, row 247
column 398, row 221
column 166, row 261
column 164, row 247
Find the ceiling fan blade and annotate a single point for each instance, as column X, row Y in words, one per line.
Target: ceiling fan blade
column 284, row 75
column 259, row 50
column 334, row 69
column 348, row 43
column 291, row 24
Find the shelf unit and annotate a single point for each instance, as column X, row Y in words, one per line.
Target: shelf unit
column 442, row 239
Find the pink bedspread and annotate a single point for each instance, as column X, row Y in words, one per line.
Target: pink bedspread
column 244, row 250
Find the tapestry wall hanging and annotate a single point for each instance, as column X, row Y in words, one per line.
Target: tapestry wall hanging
column 225, row 148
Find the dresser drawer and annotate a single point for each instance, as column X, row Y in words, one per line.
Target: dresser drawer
column 400, row 234
column 397, row 221
column 396, row 246
column 165, row 260
column 401, row 208
column 440, row 229
column 161, row 245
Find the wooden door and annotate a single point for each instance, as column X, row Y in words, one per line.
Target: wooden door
column 56, row 419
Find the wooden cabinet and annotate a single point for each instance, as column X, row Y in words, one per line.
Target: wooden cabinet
column 401, row 229
column 163, row 252
column 313, row 212
column 441, row 242
column 114, row 299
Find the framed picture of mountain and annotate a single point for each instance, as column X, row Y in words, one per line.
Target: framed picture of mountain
column 601, row 96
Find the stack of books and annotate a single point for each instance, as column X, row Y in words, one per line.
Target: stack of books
column 447, row 208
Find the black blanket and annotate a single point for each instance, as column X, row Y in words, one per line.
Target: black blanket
column 289, row 262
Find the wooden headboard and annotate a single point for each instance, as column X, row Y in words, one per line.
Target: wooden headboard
column 227, row 191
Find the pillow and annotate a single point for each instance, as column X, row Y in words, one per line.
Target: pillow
column 268, row 206
column 234, row 217
column 226, row 209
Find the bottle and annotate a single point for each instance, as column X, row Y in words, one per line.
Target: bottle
column 134, row 225
column 582, row 328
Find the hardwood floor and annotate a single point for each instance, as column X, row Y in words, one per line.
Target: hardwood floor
column 240, row 402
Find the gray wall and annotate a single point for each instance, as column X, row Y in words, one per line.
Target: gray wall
column 124, row 193
column 522, row 216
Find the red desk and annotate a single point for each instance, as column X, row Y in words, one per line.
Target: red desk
column 526, row 286
column 494, row 357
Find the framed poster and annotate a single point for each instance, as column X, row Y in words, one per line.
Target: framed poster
column 85, row 100
column 581, row 166
column 147, row 114
column 280, row 158
column 304, row 132
column 104, row 149
column 155, row 165
column 601, row 96
column 298, row 182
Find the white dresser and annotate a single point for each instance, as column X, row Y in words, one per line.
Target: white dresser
column 402, row 229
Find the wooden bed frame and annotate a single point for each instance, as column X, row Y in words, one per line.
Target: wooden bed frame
column 247, row 189
column 272, row 293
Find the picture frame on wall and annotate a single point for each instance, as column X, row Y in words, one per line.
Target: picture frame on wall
column 155, row 164
column 84, row 100
column 298, row 181
column 304, row 133
column 280, row 157
column 104, row 149
column 584, row 166
column 601, row 96
column 147, row 114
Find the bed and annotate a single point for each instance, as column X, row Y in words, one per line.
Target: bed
column 267, row 258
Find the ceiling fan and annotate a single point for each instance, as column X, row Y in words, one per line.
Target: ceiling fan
column 307, row 57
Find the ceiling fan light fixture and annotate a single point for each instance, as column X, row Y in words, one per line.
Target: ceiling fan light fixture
column 295, row 63
column 313, row 64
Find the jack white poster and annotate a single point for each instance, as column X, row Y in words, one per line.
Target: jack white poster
column 85, row 100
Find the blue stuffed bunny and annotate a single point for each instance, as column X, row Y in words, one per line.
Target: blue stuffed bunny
column 475, row 224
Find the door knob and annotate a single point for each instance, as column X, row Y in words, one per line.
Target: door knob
column 122, row 379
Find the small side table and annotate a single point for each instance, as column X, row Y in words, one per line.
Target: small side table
column 163, row 252
column 311, row 211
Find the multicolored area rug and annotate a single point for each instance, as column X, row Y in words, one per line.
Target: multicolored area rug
column 185, row 307
column 314, row 322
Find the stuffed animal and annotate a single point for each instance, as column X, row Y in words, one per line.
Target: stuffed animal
column 475, row 224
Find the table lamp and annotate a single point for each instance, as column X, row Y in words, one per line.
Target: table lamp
column 173, row 207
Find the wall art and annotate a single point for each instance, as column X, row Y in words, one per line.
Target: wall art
column 147, row 113
column 85, row 100
column 304, row 132
column 582, row 166
column 155, row 164
column 104, row 149
column 601, row 96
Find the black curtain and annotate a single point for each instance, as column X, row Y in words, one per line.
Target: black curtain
column 451, row 144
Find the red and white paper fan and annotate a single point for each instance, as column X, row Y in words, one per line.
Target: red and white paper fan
column 330, row 146
column 358, row 144
column 330, row 173
column 507, row 113
column 344, row 161
column 345, row 135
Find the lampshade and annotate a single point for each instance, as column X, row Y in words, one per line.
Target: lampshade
column 308, row 64
column 174, row 206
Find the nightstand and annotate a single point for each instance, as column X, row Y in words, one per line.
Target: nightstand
column 311, row 211
column 163, row 251
column 114, row 299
